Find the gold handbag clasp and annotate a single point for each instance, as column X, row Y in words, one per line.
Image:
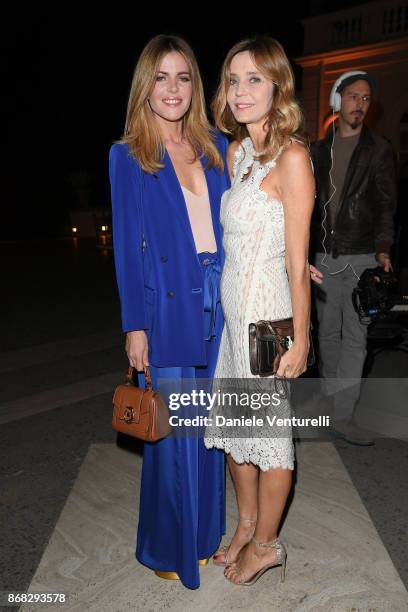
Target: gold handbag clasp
column 128, row 415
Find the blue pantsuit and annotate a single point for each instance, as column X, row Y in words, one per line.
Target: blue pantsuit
column 172, row 293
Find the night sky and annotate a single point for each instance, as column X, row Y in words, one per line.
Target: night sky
column 66, row 77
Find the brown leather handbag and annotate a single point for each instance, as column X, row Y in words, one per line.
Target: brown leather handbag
column 141, row 413
column 268, row 341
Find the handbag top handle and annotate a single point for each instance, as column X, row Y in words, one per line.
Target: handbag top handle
column 148, row 378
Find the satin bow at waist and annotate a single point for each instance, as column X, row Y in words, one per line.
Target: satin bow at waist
column 212, row 273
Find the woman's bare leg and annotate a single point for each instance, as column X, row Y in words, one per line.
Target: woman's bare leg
column 273, row 490
column 245, row 479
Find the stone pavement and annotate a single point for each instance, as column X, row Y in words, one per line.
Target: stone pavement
column 69, row 488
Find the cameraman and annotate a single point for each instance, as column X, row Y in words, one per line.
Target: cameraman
column 353, row 230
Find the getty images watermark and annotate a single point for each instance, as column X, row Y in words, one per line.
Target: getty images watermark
column 225, row 401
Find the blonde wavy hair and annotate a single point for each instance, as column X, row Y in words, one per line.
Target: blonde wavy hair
column 142, row 133
column 285, row 119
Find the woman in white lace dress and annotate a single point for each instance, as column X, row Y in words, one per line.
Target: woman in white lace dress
column 265, row 218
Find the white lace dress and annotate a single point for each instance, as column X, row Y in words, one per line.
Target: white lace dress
column 254, row 286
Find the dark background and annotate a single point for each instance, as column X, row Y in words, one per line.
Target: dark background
column 66, row 76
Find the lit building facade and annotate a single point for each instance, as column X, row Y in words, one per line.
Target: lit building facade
column 372, row 37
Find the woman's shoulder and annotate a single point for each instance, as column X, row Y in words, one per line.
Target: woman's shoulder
column 234, row 146
column 123, row 165
column 119, row 153
column 295, row 151
column 236, row 152
column 295, row 159
column 119, row 150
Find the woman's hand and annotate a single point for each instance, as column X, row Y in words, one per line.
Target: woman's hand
column 137, row 349
column 315, row 275
column 294, row 362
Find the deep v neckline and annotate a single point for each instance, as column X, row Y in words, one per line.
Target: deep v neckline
column 195, row 194
column 179, row 181
column 182, row 212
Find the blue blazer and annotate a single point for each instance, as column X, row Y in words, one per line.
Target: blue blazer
column 159, row 275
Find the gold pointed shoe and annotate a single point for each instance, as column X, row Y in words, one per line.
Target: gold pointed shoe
column 280, row 560
column 203, row 562
column 174, row 575
column 167, row 575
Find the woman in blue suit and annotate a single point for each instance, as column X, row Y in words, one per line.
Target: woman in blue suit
column 167, row 176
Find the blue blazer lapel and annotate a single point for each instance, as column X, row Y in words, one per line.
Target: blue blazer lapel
column 177, row 200
column 179, row 204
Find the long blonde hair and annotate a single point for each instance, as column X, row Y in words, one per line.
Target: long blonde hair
column 142, row 133
column 285, row 119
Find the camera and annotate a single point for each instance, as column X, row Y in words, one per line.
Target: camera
column 375, row 294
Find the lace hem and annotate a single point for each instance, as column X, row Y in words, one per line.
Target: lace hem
column 254, row 454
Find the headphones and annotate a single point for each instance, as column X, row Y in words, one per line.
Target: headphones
column 335, row 97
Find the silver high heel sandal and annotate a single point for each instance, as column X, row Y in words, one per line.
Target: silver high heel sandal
column 281, row 555
column 223, row 550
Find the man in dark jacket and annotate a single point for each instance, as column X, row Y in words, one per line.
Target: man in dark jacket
column 352, row 230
